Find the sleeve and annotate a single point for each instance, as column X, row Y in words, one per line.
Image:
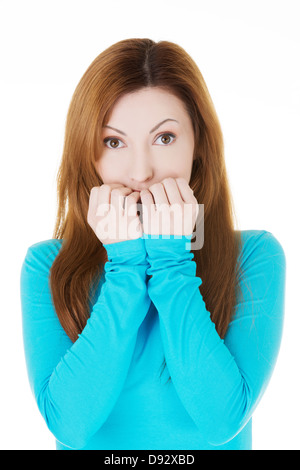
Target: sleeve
column 77, row 385
column 219, row 382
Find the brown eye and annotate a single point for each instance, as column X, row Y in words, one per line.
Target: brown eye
column 165, row 138
column 114, row 142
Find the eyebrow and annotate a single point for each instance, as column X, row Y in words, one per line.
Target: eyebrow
column 152, row 130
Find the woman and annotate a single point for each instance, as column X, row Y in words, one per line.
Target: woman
column 111, row 298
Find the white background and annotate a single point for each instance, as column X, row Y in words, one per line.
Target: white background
column 248, row 53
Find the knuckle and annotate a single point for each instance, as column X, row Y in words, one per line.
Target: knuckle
column 116, row 191
column 168, row 179
column 120, row 190
column 182, row 180
column 155, row 185
column 103, row 187
column 94, row 189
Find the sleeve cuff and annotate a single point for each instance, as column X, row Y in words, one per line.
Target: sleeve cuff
column 133, row 250
column 167, row 244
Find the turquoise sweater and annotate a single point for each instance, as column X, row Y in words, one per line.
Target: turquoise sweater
column 105, row 390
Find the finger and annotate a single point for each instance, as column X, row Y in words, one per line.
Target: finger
column 159, row 194
column 115, row 185
column 172, row 191
column 147, row 199
column 130, row 205
column 93, row 203
column 148, row 209
column 104, row 192
column 100, row 200
column 117, row 196
column 186, row 191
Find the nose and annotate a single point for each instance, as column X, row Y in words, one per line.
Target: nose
column 141, row 170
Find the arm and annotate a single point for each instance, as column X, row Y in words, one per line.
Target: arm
column 77, row 385
column 219, row 382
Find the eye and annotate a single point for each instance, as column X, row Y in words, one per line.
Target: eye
column 113, row 139
column 168, row 134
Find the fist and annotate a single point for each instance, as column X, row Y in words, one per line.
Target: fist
column 169, row 208
column 112, row 213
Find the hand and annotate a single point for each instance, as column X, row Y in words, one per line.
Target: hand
column 112, row 213
column 176, row 208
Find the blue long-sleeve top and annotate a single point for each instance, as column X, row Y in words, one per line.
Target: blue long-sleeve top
column 105, row 390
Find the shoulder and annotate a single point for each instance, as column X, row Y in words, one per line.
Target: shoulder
column 41, row 255
column 260, row 244
column 262, row 262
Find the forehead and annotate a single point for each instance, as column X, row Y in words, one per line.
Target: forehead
column 148, row 103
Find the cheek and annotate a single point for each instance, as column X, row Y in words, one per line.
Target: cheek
column 99, row 169
column 180, row 161
column 178, row 169
column 108, row 170
column 181, row 166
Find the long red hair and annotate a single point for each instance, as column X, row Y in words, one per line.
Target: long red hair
column 124, row 67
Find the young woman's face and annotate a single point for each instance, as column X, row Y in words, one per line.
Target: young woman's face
column 142, row 149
